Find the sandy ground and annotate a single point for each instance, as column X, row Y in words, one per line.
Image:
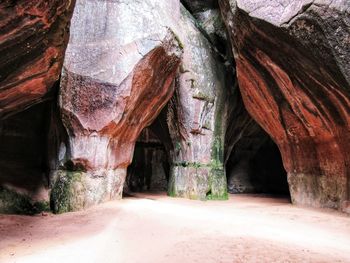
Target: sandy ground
column 151, row 228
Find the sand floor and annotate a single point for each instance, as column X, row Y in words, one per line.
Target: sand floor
column 152, row 228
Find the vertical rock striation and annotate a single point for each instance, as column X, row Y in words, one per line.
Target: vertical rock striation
column 294, row 73
column 118, row 74
column 196, row 119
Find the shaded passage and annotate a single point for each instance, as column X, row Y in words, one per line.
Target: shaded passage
column 149, row 170
column 255, row 166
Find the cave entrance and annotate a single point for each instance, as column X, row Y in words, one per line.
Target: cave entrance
column 150, row 167
column 23, row 156
column 255, row 166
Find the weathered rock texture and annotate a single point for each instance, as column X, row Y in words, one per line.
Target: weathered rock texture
column 196, row 119
column 197, row 6
column 33, row 38
column 294, row 72
column 123, row 63
column 118, row 74
column 209, row 21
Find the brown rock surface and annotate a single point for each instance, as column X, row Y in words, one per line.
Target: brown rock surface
column 293, row 70
column 33, row 39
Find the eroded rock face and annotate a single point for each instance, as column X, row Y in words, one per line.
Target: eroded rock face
column 196, row 119
column 293, row 70
column 33, row 38
column 118, row 74
column 209, row 21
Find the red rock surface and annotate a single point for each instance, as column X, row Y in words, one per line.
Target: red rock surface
column 33, row 39
column 121, row 62
column 295, row 84
column 93, row 110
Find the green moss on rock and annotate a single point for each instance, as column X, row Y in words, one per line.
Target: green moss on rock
column 171, row 192
column 64, row 192
column 222, row 197
column 15, row 203
column 218, row 184
column 199, row 181
column 178, row 40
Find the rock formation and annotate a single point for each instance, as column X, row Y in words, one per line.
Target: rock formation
column 196, row 119
column 118, row 74
column 209, row 21
column 181, row 81
column 33, row 38
column 198, row 6
column 294, row 73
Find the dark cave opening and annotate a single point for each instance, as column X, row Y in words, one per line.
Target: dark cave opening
column 269, row 171
column 149, row 170
column 23, row 152
column 255, row 166
column 253, row 161
column 150, row 167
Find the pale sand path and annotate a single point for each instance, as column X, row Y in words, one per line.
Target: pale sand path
column 154, row 228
